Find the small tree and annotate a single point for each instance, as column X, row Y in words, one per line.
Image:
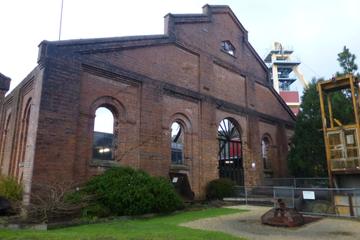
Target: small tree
column 307, row 155
column 347, row 62
column 10, row 188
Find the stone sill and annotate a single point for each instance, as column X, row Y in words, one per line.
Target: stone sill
column 268, row 170
column 179, row 167
column 103, row 163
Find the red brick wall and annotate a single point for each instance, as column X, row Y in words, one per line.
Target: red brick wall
column 267, row 103
column 277, row 153
column 167, row 63
column 55, row 146
column 186, row 113
column 229, row 86
column 13, row 142
column 207, row 37
column 148, row 84
column 118, row 91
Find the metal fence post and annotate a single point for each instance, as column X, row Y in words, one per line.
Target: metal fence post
column 246, row 200
column 274, row 196
column 351, row 205
column 293, row 197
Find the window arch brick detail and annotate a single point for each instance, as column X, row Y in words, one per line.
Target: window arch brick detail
column 5, row 141
column 183, row 120
column 116, row 107
column 20, row 156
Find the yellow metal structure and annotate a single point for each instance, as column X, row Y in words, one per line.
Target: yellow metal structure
column 341, row 134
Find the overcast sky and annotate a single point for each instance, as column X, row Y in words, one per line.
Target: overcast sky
column 315, row 30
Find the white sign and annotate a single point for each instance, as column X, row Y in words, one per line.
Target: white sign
column 174, row 180
column 309, row 195
column 349, row 139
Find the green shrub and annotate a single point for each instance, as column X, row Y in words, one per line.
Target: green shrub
column 10, row 189
column 125, row 191
column 166, row 198
column 96, row 209
column 219, row 188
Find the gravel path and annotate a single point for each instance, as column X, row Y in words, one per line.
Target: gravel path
column 248, row 225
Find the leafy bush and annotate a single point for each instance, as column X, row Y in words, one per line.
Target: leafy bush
column 219, row 188
column 10, row 189
column 96, row 210
column 125, row 191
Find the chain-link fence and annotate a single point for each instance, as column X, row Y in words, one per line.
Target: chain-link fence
column 297, row 182
column 258, row 195
column 343, row 202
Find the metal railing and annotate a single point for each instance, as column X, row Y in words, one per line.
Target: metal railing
column 344, row 202
column 297, row 182
column 258, row 195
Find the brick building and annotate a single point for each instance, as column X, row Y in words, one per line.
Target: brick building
column 201, row 78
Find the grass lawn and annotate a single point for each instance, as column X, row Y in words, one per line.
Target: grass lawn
column 163, row 227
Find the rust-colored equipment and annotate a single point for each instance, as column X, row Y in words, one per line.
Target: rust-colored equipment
column 281, row 216
column 341, row 133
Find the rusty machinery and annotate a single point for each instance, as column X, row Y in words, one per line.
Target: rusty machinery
column 341, row 133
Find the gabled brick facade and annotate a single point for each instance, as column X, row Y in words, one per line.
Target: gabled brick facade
column 148, row 82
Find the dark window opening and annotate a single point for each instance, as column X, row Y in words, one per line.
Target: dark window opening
column 177, row 143
column 228, row 47
column 103, row 136
column 265, row 144
column 285, row 85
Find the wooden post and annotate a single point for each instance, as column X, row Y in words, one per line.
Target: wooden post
column 324, row 126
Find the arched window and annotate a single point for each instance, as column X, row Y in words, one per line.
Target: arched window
column 229, row 142
column 177, row 143
column 4, row 141
column 23, row 139
column 265, row 145
column 230, row 151
column 103, row 138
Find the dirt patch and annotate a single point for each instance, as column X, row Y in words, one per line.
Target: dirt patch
column 341, row 233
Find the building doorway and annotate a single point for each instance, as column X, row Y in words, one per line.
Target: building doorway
column 230, row 151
